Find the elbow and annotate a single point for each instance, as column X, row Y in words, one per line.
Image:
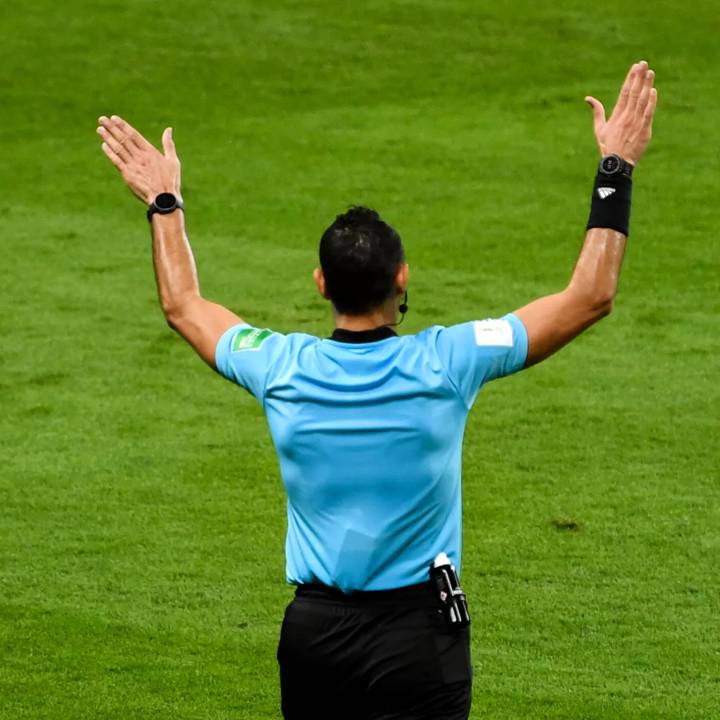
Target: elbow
column 602, row 307
column 173, row 316
column 594, row 305
column 176, row 309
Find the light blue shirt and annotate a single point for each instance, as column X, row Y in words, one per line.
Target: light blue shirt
column 369, row 438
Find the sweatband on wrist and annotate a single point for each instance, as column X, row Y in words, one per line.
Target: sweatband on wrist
column 611, row 199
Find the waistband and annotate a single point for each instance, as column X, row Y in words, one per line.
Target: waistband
column 421, row 595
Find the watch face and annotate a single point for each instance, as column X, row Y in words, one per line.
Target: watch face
column 610, row 164
column 165, row 201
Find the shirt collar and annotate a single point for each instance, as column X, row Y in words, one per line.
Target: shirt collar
column 363, row 336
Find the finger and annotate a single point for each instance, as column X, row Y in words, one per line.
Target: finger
column 625, row 90
column 115, row 159
column 112, row 128
column 645, row 92
column 115, row 145
column 637, row 86
column 116, row 137
column 130, row 132
column 168, row 143
column 598, row 112
column 649, row 113
column 125, row 133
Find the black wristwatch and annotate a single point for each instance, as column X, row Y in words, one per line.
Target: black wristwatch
column 614, row 165
column 164, row 203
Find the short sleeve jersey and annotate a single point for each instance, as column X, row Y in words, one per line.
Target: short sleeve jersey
column 369, row 439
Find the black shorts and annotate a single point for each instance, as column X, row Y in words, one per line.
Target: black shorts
column 372, row 656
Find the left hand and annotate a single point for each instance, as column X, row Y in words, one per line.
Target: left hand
column 145, row 170
column 628, row 130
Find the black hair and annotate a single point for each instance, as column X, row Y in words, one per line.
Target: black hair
column 360, row 256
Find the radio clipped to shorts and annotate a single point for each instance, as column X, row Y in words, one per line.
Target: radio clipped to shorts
column 452, row 598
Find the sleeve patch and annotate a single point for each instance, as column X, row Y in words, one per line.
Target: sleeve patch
column 495, row 333
column 249, row 339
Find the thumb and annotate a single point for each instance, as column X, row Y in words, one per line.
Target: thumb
column 168, row 143
column 598, row 112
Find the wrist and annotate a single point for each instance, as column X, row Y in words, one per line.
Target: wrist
column 624, row 154
column 612, row 165
column 164, row 203
column 611, row 199
column 152, row 194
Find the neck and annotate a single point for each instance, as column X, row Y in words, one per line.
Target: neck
column 384, row 315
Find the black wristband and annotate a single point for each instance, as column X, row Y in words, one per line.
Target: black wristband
column 611, row 199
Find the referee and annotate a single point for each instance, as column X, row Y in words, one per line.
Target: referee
column 368, row 427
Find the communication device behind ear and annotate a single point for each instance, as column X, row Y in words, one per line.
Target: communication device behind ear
column 403, row 308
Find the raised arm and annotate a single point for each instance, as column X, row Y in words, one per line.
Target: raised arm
column 149, row 173
column 554, row 320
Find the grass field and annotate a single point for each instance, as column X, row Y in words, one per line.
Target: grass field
column 141, row 512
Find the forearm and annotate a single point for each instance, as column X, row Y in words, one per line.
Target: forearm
column 595, row 279
column 175, row 270
column 554, row 320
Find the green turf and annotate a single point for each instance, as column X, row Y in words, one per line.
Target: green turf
column 141, row 513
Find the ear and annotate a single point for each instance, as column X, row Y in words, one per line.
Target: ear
column 402, row 278
column 319, row 279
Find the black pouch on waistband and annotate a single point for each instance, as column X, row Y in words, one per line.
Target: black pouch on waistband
column 451, row 596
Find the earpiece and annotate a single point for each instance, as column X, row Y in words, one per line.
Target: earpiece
column 403, row 308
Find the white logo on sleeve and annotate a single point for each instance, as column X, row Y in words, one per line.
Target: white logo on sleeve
column 493, row 333
column 604, row 192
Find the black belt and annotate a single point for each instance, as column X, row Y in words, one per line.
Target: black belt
column 421, row 595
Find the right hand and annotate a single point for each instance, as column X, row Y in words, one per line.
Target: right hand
column 629, row 129
column 145, row 170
